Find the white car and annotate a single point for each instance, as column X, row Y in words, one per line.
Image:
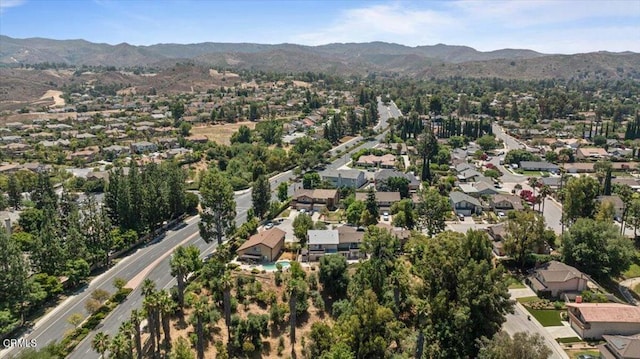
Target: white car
column 268, row 225
column 501, row 214
column 385, row 216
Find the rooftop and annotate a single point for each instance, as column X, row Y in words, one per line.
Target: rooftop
column 269, row 238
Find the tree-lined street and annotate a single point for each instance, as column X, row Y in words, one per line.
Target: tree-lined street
column 52, row 326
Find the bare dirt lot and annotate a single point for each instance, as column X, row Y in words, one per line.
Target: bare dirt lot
column 58, row 101
column 220, row 134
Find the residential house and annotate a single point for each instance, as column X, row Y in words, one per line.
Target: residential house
column 624, row 166
column 616, row 202
column 10, row 139
column 264, row 246
column 594, row 320
column 464, row 204
column 315, row 199
column 344, row 240
column 10, row 168
column 143, row 147
column 620, row 347
column 85, row 136
column 384, row 200
column 168, row 143
column 344, row 178
column 16, row 148
column 551, row 182
column 468, row 175
column 349, row 239
column 400, row 233
column 384, row 161
column 634, row 183
column 115, row 150
column 293, row 138
column 555, row 278
column 197, row 138
column 506, row 202
column 321, row 242
column 498, row 233
column 539, row 166
column 383, row 175
column 88, row 154
column 175, row 152
column 591, row 153
column 477, row 189
column 36, row 167
column 620, row 152
column 579, row 167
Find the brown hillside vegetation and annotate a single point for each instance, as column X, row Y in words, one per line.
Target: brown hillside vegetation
column 259, row 291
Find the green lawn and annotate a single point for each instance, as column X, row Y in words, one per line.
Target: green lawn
column 527, row 299
column 514, row 283
column 546, row 317
column 632, row 272
column 569, row 340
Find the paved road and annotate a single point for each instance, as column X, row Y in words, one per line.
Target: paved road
column 518, row 322
column 161, row 274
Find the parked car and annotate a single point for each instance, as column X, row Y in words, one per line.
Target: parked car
column 268, row 225
column 501, row 214
column 461, row 216
column 385, row 216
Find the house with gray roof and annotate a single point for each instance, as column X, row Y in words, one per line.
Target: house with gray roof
column 477, row 189
column 539, row 166
column 620, row 347
column 554, row 278
column 383, row 175
column 344, row 178
column 463, row 204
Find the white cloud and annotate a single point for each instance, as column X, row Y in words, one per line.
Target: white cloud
column 6, row 4
column 542, row 25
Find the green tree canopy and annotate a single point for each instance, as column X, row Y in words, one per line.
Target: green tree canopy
column 597, row 248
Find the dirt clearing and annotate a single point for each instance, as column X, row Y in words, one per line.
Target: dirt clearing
column 221, row 134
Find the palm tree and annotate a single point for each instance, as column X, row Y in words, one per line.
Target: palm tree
column 100, row 343
column 126, row 330
column 420, row 324
column 151, row 308
column 227, row 284
column 545, row 191
column 166, row 308
column 148, row 287
column 199, row 315
column 533, row 182
column 118, row 347
column 136, row 318
column 293, row 289
column 184, row 261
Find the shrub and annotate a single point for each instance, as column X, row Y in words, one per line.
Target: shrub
column 248, row 347
column 280, row 345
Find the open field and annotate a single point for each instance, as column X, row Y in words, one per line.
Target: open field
column 58, row 101
column 220, row 134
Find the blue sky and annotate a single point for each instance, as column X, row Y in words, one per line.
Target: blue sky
column 547, row 26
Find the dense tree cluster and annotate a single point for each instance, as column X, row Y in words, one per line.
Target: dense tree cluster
column 145, row 197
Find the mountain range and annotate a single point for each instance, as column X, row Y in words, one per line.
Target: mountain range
column 350, row 58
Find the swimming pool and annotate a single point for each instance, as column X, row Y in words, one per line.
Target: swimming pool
column 271, row 267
